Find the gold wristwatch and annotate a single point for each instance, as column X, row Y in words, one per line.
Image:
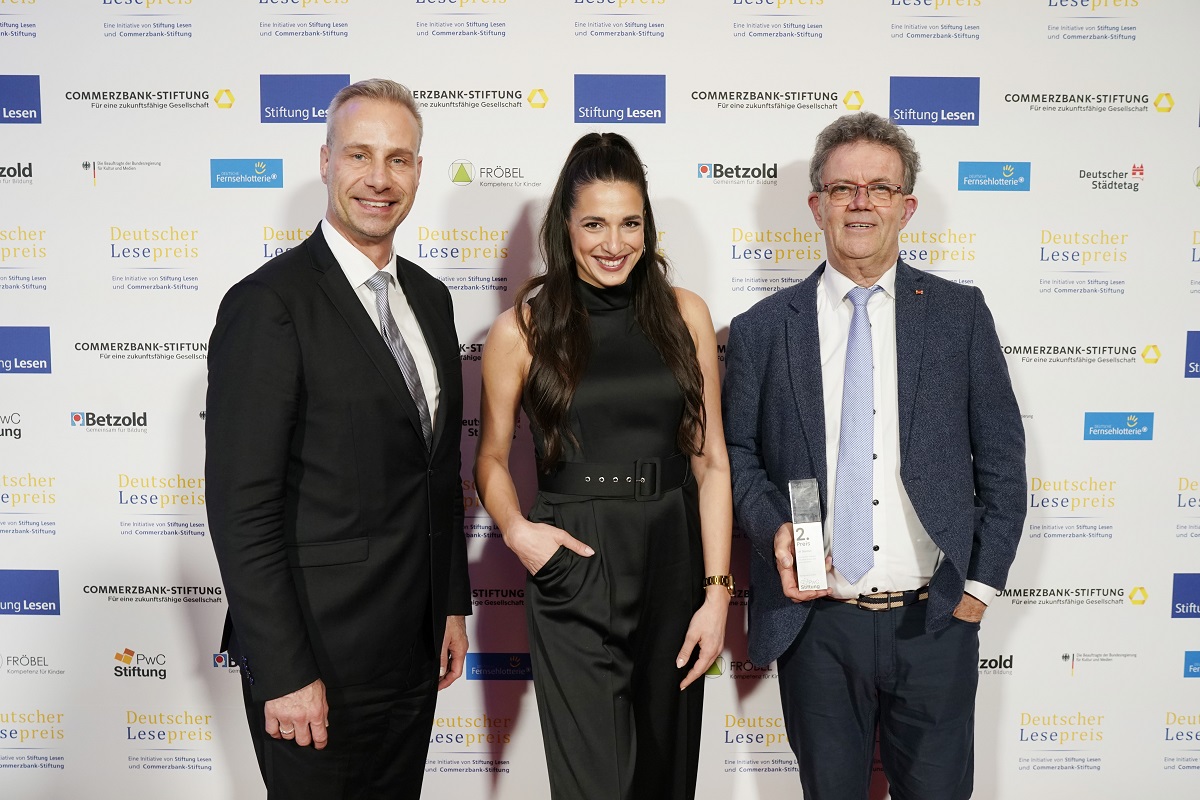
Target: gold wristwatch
column 720, row 580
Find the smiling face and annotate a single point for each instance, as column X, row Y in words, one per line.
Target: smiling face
column 371, row 169
column 863, row 239
column 606, row 229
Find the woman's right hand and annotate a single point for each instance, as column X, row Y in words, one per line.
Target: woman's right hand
column 534, row 543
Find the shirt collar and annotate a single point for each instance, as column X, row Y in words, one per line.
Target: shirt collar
column 837, row 285
column 358, row 267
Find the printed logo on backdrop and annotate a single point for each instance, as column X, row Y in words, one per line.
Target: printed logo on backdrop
column 134, row 664
column 993, row 176
column 10, row 425
column 462, row 21
column 120, row 422
column 734, row 174
column 24, row 350
column 1130, row 99
column 1119, row 425
column 25, row 500
column 21, row 250
column 145, row 98
column 1128, row 179
column 165, row 594
column 246, row 173
column 617, row 20
column 1191, row 664
column 29, row 592
column 128, row 21
column 223, row 662
column 19, row 173
column 511, row 596
column 33, row 735
column 94, row 168
column 621, row 99
column 772, row 250
column 1087, row 260
column 174, row 730
column 934, row 101
column 937, row 20
column 1060, row 740
column 1072, row 509
column 1110, row 597
column 277, row 241
column 755, row 745
column 297, row 98
column 1078, row 21
column 161, row 505
column 482, row 97
column 463, row 172
column 153, row 258
column 1084, row 354
column 788, row 99
column 1088, row 663
column 308, row 21
column 498, row 667
column 465, row 744
column 143, row 351
column 778, row 20
column 20, row 100
column 19, row 24
column 1185, row 595
column 1191, row 359
column 948, row 252
column 1001, row 664
column 742, row 670
column 27, row 663
column 472, row 255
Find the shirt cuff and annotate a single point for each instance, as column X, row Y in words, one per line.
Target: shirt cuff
column 981, row 592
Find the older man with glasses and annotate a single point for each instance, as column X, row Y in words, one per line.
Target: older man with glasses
column 886, row 386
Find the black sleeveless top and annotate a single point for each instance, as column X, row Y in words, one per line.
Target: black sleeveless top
column 628, row 405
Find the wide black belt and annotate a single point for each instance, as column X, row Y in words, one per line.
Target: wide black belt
column 644, row 479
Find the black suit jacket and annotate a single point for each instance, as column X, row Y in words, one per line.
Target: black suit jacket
column 335, row 530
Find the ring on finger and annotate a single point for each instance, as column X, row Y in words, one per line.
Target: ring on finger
column 288, row 732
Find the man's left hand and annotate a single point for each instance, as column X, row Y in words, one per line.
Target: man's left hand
column 454, row 651
column 970, row 609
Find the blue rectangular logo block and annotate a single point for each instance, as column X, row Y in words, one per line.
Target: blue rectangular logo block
column 1191, row 360
column 1185, row 596
column 1125, row 425
column 621, row 99
column 246, row 173
column 993, row 176
column 297, row 98
column 499, row 667
column 21, row 99
column 24, row 351
column 1191, row 664
column 29, row 591
column 935, row 101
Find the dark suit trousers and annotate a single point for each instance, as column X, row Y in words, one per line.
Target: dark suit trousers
column 851, row 671
column 378, row 738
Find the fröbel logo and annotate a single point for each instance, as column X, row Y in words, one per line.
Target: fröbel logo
column 29, row 591
column 621, row 98
column 24, row 350
column 1185, row 596
column 993, row 176
column 20, row 100
column 1118, row 425
column 297, row 98
column 246, row 173
column 1191, row 361
column 935, row 101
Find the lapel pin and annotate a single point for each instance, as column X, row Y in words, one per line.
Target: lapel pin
column 918, row 291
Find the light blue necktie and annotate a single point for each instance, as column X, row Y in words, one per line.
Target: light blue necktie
column 378, row 283
column 853, row 538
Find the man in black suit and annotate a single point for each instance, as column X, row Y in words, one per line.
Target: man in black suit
column 334, row 498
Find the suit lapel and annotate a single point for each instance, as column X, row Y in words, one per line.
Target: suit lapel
column 804, row 368
column 912, row 299
column 333, row 282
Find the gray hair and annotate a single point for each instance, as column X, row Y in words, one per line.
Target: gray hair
column 375, row 89
column 865, row 127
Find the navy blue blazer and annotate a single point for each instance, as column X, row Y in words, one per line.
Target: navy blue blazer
column 962, row 443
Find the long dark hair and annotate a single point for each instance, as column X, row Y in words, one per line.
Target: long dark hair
column 556, row 328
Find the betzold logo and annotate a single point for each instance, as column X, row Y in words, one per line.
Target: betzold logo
column 134, row 421
column 499, row 667
column 1191, row 664
column 935, row 101
column 1191, row 361
column 996, row 665
column 132, row 664
column 1118, row 425
column 621, row 98
column 20, row 99
column 246, row 173
column 221, row 660
column 297, row 98
column 1185, row 596
column 462, row 172
column 29, row 591
column 24, row 350
column 17, row 173
column 993, row 176
column 735, row 173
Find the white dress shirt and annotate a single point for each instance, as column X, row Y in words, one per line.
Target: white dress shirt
column 359, row 269
column 905, row 556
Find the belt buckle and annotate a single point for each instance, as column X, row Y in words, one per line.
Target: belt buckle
column 654, row 465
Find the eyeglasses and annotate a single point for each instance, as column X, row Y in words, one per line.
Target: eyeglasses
column 880, row 194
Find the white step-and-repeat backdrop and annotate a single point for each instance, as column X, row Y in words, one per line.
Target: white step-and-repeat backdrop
column 152, row 152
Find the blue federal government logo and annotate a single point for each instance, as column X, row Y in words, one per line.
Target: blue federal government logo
column 1191, row 361
column 20, row 99
column 24, row 350
column 1118, row 425
column 29, row 591
column 621, row 98
column 499, row 667
column 1185, row 596
column 934, row 101
column 297, row 98
column 246, row 173
column 993, row 176
column 1191, row 664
